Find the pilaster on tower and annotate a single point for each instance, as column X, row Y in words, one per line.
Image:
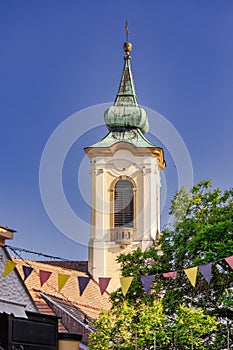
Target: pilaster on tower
column 125, row 182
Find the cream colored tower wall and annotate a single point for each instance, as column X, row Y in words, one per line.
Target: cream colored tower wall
column 142, row 168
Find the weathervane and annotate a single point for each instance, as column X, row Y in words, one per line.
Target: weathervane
column 126, row 31
column 127, row 45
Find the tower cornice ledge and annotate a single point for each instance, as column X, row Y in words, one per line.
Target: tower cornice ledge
column 156, row 152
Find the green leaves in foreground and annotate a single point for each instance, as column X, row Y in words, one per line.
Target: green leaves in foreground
column 130, row 327
column 193, row 327
column 202, row 233
column 175, row 313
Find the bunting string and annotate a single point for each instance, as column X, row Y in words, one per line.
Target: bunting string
column 23, row 250
column 28, row 270
column 125, row 282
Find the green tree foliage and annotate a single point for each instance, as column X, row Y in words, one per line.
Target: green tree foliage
column 129, row 327
column 137, row 327
column 113, row 327
column 136, row 264
column 202, row 233
column 193, row 327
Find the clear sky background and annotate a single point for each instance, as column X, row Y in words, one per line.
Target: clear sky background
column 58, row 57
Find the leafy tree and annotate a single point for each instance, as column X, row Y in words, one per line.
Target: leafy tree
column 202, row 233
column 128, row 327
column 193, row 327
column 138, row 264
column 152, row 323
column 131, row 327
column 112, row 328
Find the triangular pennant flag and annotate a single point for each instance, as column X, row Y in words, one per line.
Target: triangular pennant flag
column 125, row 284
column 9, row 266
column 62, row 279
column 229, row 260
column 44, row 276
column 147, row 282
column 171, row 274
column 191, row 273
column 103, row 284
column 82, row 283
column 27, row 270
column 205, row 270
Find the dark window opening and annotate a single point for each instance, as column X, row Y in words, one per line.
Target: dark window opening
column 123, row 204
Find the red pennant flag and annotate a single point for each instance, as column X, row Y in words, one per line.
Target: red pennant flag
column 171, row 274
column 44, row 276
column 229, row 260
column 103, row 284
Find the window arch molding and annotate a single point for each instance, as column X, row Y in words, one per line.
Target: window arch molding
column 122, row 177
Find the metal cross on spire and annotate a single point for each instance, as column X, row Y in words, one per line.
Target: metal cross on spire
column 126, row 31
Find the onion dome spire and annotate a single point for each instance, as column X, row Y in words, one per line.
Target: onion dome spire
column 125, row 114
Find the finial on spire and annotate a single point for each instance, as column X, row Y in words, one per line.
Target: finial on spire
column 126, row 31
column 127, row 45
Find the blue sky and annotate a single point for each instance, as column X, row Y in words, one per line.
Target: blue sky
column 58, row 57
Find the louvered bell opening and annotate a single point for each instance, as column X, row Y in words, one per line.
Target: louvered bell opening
column 123, row 204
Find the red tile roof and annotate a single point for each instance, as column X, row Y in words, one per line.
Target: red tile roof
column 68, row 264
column 68, row 301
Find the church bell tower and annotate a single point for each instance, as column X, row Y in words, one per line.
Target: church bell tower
column 125, row 183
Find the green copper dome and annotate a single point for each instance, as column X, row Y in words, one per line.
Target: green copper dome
column 126, row 118
column 125, row 114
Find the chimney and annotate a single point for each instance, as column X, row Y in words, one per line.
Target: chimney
column 5, row 233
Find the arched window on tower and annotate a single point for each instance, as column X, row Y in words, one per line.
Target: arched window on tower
column 124, row 204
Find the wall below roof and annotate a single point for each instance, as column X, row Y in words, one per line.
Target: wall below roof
column 14, row 296
column 69, row 322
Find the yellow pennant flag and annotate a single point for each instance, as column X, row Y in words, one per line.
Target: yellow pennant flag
column 10, row 265
column 191, row 273
column 125, row 284
column 62, row 279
